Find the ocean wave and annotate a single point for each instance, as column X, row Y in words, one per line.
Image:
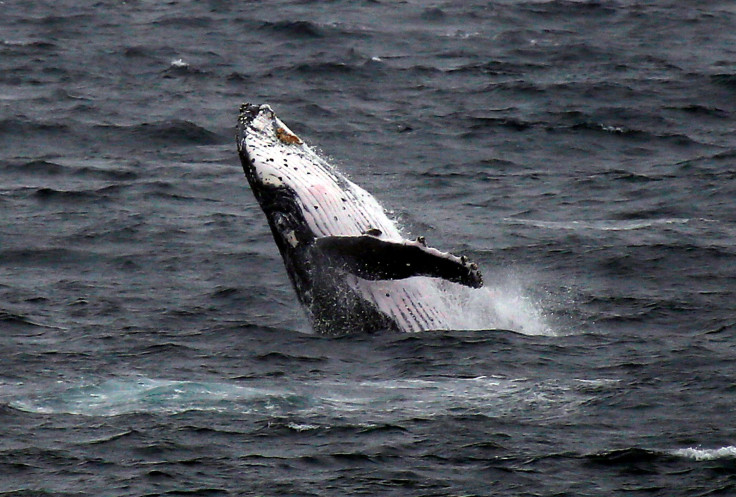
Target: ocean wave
column 712, row 167
column 725, row 79
column 11, row 318
column 26, row 48
column 61, row 19
column 516, row 124
column 628, row 132
column 40, row 256
column 627, row 456
column 93, row 169
column 326, row 68
column 179, row 67
column 29, row 43
column 704, row 110
column 296, row 29
column 47, row 194
column 35, row 167
column 497, row 68
column 25, row 126
column 181, row 22
column 174, row 131
column 636, row 455
column 350, row 64
column 623, row 175
column 699, row 454
column 598, row 225
column 475, row 124
column 237, row 78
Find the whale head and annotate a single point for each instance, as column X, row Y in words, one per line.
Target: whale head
column 269, row 153
column 300, row 192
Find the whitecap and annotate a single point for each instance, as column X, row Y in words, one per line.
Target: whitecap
column 300, row 427
column 728, row 452
column 598, row 225
column 179, row 64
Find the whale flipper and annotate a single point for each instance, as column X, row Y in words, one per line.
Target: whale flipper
column 372, row 258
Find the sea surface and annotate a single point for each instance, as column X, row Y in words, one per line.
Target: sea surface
column 582, row 152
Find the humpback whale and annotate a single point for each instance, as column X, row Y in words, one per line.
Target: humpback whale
column 350, row 266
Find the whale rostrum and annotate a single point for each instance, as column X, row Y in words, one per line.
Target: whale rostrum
column 351, row 268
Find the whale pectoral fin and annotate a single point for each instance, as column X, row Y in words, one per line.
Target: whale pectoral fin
column 374, row 259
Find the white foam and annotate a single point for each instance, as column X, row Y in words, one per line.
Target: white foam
column 302, row 427
column 598, row 225
column 360, row 401
column 728, row 452
column 426, row 398
column 127, row 395
column 506, row 306
column 179, row 63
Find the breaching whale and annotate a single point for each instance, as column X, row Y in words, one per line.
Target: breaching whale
column 351, row 268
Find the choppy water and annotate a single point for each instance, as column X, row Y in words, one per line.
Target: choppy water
column 582, row 152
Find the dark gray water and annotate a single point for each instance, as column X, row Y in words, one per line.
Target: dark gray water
column 584, row 153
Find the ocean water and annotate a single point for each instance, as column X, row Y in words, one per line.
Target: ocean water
column 582, row 152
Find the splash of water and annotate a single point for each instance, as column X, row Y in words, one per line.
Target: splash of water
column 506, row 306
